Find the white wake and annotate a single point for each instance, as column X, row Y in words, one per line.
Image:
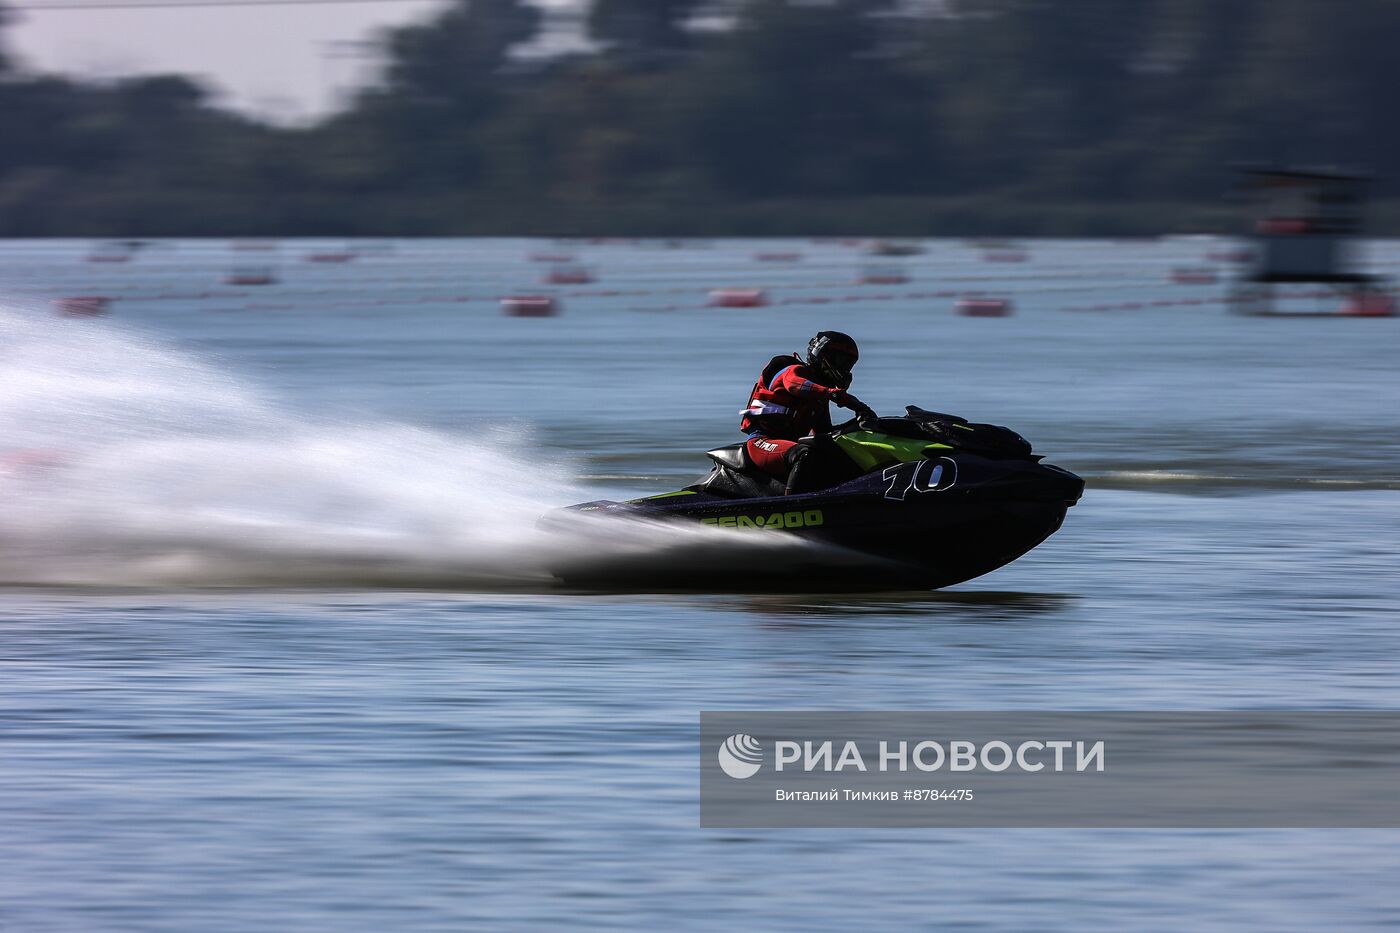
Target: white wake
column 126, row 461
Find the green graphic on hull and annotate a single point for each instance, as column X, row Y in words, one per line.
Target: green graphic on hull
column 805, row 519
column 870, row 450
column 665, row 495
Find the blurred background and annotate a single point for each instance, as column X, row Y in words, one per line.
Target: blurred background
column 670, row 117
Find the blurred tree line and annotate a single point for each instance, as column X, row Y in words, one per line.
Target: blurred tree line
column 738, row 116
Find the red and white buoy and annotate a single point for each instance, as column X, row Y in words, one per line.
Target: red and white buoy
column 31, row 460
column 738, row 298
column 530, row 306
column 83, row 305
column 1283, row 226
column 1369, row 304
column 980, row 306
column 250, row 277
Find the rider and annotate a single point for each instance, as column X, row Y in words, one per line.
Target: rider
column 790, row 400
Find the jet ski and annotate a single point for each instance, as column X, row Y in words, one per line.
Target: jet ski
column 932, row 498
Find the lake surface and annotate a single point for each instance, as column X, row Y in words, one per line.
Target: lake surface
column 279, row 647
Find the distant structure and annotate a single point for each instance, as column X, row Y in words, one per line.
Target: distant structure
column 1305, row 225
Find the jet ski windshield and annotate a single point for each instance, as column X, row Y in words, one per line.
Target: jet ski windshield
column 955, row 431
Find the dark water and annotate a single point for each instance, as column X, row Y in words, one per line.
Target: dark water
column 278, row 649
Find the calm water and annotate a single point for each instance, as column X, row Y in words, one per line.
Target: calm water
column 278, row 649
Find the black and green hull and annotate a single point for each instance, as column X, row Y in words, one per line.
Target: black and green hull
column 922, row 515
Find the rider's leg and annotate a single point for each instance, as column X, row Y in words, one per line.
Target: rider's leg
column 771, row 455
column 817, row 463
column 796, row 480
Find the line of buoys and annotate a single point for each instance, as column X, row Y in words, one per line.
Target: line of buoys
column 530, row 306
column 355, row 282
column 974, row 305
column 749, row 296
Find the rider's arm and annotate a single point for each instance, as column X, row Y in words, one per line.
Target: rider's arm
column 796, row 379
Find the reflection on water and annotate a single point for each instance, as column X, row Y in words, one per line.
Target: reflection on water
column 987, row 605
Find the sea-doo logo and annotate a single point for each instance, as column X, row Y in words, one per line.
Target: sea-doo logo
column 808, row 519
column 740, row 756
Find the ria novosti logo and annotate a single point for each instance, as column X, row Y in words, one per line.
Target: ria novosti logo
column 740, row 756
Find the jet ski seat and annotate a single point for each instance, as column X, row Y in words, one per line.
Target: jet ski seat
column 734, row 456
column 735, row 476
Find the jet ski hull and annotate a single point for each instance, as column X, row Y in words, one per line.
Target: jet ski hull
column 929, row 523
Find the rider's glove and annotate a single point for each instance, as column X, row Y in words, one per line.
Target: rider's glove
column 865, row 415
column 848, row 401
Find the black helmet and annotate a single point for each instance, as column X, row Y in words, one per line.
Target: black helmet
column 833, row 354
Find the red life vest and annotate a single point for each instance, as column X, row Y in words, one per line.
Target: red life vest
column 774, row 411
